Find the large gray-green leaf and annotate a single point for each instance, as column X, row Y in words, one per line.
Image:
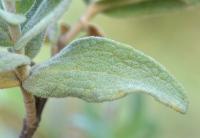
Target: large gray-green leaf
column 40, row 16
column 13, row 19
column 123, row 8
column 10, row 61
column 98, row 69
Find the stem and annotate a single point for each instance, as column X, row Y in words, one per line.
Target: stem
column 91, row 11
column 30, row 122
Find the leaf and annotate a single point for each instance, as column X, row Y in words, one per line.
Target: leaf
column 8, row 80
column 123, row 8
column 22, row 6
column 13, row 19
column 35, row 15
column 99, row 69
column 10, row 61
column 33, row 47
column 40, row 16
column 5, row 39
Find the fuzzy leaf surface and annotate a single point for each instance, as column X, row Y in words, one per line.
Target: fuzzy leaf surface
column 10, row 61
column 99, row 69
column 43, row 13
column 10, row 18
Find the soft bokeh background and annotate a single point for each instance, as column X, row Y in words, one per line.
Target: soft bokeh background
column 173, row 39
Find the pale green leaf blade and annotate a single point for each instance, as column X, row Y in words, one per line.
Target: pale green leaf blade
column 98, row 69
column 10, row 18
column 10, row 61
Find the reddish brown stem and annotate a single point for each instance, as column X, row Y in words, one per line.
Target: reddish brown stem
column 64, row 39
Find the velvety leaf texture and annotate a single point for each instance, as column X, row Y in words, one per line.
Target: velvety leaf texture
column 10, row 61
column 121, row 8
column 99, row 69
column 10, row 18
column 38, row 11
column 43, row 13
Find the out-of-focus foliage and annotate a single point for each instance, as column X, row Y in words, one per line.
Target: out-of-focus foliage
column 133, row 124
column 124, row 8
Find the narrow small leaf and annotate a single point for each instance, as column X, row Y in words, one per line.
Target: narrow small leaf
column 36, row 27
column 38, row 12
column 99, row 69
column 10, row 18
column 10, row 61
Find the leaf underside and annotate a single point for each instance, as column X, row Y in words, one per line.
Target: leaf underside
column 10, row 61
column 99, row 69
column 11, row 18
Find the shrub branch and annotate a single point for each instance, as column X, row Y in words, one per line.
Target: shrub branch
column 82, row 23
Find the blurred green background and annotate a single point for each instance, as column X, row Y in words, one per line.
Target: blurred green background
column 173, row 39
